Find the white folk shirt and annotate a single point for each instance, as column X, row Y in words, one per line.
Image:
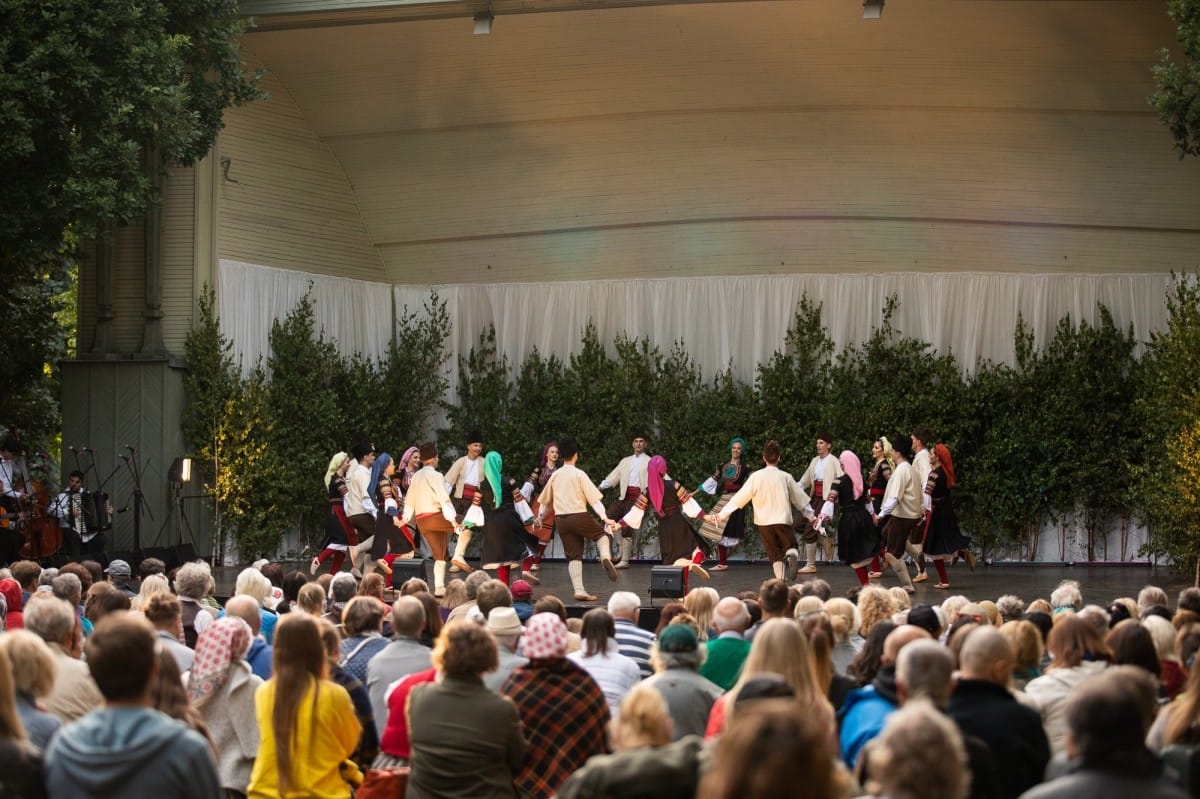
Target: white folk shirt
column 570, row 490
column 426, row 494
column 464, row 471
column 902, row 497
column 631, row 471
column 922, row 467
column 358, row 481
column 774, row 493
column 825, row 471
column 9, row 471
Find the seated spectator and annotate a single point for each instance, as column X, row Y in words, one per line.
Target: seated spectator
column 10, row 589
column 919, row 755
column 677, row 658
column 1172, row 674
column 121, row 575
column 450, row 757
column 191, row 585
column 253, row 583
column 310, row 599
column 165, row 614
column 1026, row 644
column 612, row 671
column 770, row 748
column 505, row 626
column 221, row 687
column 632, row 641
column 33, row 673
column 259, row 656
column 368, row 740
column 308, row 725
column 362, row 622
column 727, row 650
column 154, row 584
column 126, row 748
column 404, row 655
column 1106, row 724
column 1079, row 653
column 562, row 709
column 74, row 692
column 20, row 762
column 522, row 594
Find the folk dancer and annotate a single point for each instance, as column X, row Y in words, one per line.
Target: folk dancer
column 501, row 510
column 358, row 505
column 901, row 513
column 463, row 481
column 922, row 437
column 428, row 505
column 569, row 494
column 727, row 479
column 630, row 479
column 822, row 472
column 943, row 538
column 678, row 542
column 775, row 495
column 533, row 486
column 857, row 535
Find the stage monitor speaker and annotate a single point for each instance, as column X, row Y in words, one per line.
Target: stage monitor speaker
column 185, row 553
column 408, row 568
column 165, row 554
column 668, row 582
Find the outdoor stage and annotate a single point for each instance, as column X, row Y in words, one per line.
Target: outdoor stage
column 1100, row 583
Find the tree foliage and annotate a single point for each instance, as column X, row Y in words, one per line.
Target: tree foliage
column 1177, row 95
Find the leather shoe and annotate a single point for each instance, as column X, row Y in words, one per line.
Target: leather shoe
column 609, row 568
column 584, row 597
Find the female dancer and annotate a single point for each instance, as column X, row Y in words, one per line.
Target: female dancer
column 943, row 539
column 881, row 472
column 504, row 514
column 728, row 478
column 857, row 535
column 391, row 537
column 532, row 489
column 339, row 533
column 678, row 542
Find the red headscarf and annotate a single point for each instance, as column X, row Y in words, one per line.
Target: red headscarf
column 943, row 456
column 654, row 476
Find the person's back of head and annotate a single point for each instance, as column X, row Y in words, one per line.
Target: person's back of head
column 773, row 597
column 987, row 655
column 899, row 638
column 247, row 609
column 67, row 587
column 121, row 657
column 624, row 605
column 408, row 617
column 51, row 619
column 1108, row 718
column 1066, row 596
column 163, row 611
column 924, row 669
column 473, row 581
column 643, row 720
column 27, row 573
column 343, row 588
column 493, row 594
column 768, row 748
column 1189, row 599
column 730, row 614
column 919, row 755
column 816, row 587
column 1011, row 607
column 771, row 452
column 1150, row 596
column 311, row 599
column 192, row 580
column 362, row 615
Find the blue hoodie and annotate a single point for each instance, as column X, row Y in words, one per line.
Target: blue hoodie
column 133, row 752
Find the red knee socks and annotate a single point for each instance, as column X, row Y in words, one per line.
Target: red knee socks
column 940, row 565
column 861, row 571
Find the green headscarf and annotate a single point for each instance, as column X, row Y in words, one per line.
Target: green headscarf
column 491, row 470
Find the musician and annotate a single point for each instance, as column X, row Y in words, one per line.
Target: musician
column 76, row 511
column 12, row 475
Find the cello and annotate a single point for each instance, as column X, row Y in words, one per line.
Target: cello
column 43, row 537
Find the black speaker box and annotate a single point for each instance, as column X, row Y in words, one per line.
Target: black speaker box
column 668, row 582
column 408, row 568
column 165, row 554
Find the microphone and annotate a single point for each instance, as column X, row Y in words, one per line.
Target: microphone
column 72, row 447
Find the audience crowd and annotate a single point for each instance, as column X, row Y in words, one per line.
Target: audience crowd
column 116, row 687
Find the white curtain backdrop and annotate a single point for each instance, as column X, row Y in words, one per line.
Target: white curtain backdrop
column 723, row 322
column 354, row 314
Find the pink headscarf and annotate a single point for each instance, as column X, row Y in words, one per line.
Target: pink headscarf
column 545, row 637
column 224, row 643
column 853, row 467
column 654, row 477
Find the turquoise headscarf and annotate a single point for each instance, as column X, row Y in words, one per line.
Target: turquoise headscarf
column 491, row 470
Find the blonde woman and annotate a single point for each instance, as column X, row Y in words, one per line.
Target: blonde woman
column 700, row 604
column 307, row 723
column 33, row 671
column 875, row 604
column 779, row 647
column 154, row 584
column 20, row 762
column 843, row 617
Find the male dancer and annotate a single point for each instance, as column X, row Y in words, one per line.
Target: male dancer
column 774, row 493
column 463, row 481
column 360, row 508
column 818, row 479
column 570, row 493
column 429, row 504
column 631, row 478
column 922, row 438
column 901, row 510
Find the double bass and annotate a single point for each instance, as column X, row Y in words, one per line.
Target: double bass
column 41, row 532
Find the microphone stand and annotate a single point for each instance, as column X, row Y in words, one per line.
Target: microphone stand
column 138, row 497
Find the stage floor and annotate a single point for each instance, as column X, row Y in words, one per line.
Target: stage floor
column 1100, row 583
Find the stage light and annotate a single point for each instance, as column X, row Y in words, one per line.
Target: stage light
column 872, row 9
column 181, row 470
column 483, row 23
